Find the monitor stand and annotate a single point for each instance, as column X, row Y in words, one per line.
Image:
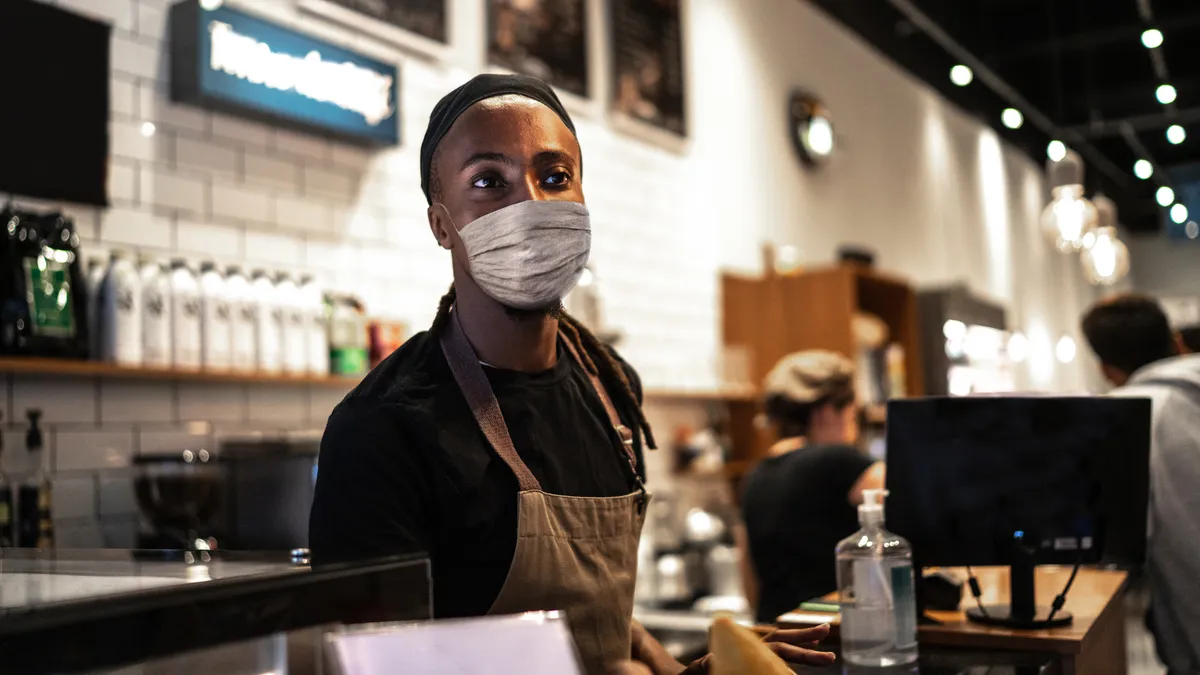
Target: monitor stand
column 1022, row 612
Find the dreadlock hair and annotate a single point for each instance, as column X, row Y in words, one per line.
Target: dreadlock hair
column 597, row 360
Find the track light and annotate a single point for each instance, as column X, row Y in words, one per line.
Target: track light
column 1143, row 169
column 1056, row 150
column 1165, row 196
column 1166, row 94
column 1176, row 134
column 961, row 75
column 1012, row 118
column 1152, row 38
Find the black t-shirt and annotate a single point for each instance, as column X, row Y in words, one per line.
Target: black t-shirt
column 404, row 467
column 797, row 509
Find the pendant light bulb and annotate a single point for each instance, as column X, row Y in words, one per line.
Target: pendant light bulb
column 1105, row 260
column 1069, row 216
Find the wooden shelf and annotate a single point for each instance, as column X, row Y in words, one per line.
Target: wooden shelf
column 77, row 368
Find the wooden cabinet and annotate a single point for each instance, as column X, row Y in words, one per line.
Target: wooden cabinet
column 775, row 315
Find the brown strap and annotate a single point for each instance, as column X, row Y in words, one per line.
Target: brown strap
column 624, row 432
column 482, row 400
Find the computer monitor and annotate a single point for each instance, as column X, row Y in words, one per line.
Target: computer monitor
column 1019, row 481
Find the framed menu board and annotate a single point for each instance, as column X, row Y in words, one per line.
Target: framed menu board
column 543, row 38
column 648, row 74
column 389, row 19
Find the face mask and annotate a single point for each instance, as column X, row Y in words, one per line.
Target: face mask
column 531, row 254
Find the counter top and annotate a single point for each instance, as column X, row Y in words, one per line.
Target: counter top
column 76, row 610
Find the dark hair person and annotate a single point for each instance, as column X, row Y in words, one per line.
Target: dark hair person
column 814, row 469
column 505, row 441
column 1128, row 332
column 1138, row 352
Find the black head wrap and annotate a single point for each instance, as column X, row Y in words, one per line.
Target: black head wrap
column 475, row 90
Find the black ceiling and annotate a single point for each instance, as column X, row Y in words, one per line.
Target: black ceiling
column 1081, row 63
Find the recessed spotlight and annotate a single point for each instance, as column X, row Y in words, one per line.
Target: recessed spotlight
column 1176, row 134
column 148, row 129
column 211, row 5
column 1166, row 94
column 1056, row 151
column 961, row 75
column 1012, row 118
column 1179, row 214
column 1152, row 38
column 1192, row 229
column 1143, row 169
column 1165, row 196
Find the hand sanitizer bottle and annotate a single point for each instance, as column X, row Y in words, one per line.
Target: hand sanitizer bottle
column 875, row 588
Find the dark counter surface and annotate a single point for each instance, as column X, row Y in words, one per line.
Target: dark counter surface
column 78, row 610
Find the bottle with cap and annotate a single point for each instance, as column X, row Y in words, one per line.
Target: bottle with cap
column 97, row 268
column 241, row 320
column 268, row 320
column 313, row 299
column 185, row 317
column 121, row 313
column 876, row 592
column 35, row 518
column 294, row 346
column 216, row 340
column 156, row 313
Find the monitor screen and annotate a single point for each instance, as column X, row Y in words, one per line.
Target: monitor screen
column 970, row 477
column 54, row 66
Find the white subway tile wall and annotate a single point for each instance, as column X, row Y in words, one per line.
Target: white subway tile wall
column 209, row 186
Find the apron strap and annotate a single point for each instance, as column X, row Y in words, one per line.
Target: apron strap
column 623, row 432
column 464, row 364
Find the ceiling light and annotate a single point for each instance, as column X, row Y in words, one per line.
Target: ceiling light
column 1012, row 118
column 1192, row 229
column 961, row 75
column 1056, row 151
column 1143, row 169
column 1179, row 214
column 1166, row 94
column 1176, row 134
column 1069, row 216
column 211, row 5
column 1152, row 38
column 1165, row 196
column 148, row 129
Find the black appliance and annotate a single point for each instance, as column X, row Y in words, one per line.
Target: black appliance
column 54, row 121
column 43, row 301
column 1019, row 481
column 269, row 487
column 179, row 496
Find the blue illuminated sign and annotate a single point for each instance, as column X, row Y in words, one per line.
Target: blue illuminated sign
column 234, row 61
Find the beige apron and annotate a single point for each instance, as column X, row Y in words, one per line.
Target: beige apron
column 575, row 554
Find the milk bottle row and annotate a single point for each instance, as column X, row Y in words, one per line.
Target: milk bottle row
column 144, row 313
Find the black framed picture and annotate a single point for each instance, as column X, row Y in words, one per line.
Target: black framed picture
column 425, row 18
column 543, row 38
column 648, row 70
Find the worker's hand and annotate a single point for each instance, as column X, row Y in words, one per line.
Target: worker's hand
column 794, row 646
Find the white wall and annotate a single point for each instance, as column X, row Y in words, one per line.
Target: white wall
column 934, row 192
column 1164, row 268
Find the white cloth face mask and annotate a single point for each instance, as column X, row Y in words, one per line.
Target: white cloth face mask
column 531, row 254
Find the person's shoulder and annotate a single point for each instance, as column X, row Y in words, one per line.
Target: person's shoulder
column 407, row 374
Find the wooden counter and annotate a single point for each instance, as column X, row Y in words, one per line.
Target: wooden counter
column 1094, row 643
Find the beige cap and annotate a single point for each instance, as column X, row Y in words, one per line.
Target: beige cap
column 808, row 376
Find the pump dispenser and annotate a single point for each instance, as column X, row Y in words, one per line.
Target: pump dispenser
column 876, row 591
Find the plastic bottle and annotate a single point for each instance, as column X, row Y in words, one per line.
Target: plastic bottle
column 215, row 320
column 876, row 592
column 267, row 320
column 313, row 299
column 295, row 325
column 241, row 320
column 35, row 517
column 185, row 317
column 121, row 313
column 97, row 268
column 156, row 314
